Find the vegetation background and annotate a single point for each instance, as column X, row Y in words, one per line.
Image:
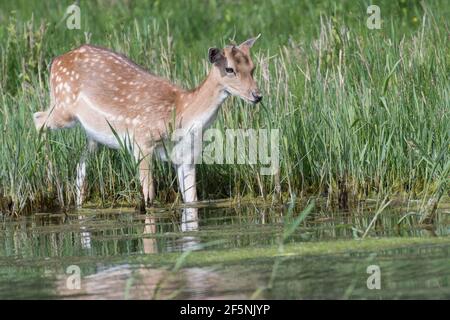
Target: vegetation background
column 362, row 113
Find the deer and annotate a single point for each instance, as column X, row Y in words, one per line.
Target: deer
column 110, row 96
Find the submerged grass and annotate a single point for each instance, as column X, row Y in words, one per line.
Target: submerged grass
column 204, row 258
column 361, row 112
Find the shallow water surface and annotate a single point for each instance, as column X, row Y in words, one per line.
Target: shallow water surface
column 219, row 252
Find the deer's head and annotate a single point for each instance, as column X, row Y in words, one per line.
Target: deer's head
column 234, row 70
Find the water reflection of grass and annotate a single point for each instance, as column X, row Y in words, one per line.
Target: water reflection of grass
column 290, row 224
column 166, row 273
column 341, row 264
column 120, row 232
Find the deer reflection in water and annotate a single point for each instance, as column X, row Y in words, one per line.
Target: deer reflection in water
column 143, row 282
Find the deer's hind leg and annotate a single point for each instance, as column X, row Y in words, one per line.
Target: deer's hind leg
column 146, row 178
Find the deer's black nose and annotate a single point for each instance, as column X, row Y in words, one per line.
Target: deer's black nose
column 257, row 97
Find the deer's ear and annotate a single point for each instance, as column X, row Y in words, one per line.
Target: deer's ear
column 215, row 55
column 246, row 45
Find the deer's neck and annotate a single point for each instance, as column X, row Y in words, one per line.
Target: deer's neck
column 200, row 106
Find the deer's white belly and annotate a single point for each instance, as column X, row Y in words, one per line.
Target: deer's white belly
column 109, row 140
column 94, row 122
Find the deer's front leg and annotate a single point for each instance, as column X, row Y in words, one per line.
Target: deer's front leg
column 186, row 182
column 81, row 172
column 146, row 177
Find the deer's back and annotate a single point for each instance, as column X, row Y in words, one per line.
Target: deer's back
column 96, row 83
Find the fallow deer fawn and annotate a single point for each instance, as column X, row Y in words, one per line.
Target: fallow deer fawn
column 111, row 96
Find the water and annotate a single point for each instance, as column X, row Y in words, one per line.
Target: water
column 221, row 252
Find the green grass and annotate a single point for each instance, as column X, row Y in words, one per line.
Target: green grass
column 363, row 113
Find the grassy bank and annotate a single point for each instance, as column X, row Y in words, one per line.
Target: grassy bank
column 361, row 112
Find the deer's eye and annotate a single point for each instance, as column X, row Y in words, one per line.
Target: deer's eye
column 229, row 70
